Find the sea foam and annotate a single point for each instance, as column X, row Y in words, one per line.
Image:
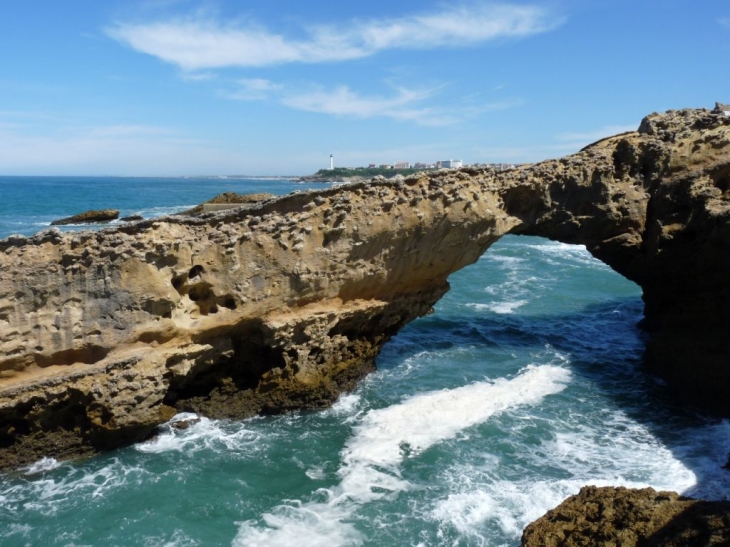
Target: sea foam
column 371, row 458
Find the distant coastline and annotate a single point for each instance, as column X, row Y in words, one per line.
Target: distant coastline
column 357, row 174
column 347, row 174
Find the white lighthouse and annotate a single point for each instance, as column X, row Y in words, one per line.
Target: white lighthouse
column 332, row 162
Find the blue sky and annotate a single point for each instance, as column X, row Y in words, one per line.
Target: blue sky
column 185, row 87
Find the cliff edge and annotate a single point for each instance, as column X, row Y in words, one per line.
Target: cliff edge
column 285, row 302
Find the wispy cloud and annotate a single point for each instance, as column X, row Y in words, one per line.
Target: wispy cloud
column 198, row 76
column 342, row 101
column 123, row 131
column 725, row 22
column 404, row 104
column 253, row 89
column 202, row 43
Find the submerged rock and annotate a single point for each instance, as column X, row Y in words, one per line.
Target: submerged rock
column 89, row 217
column 184, row 424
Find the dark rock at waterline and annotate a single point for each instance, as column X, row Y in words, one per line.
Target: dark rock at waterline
column 132, row 218
column 617, row 516
column 89, row 217
column 184, row 424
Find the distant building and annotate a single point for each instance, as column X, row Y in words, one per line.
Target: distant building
column 385, row 166
column 451, row 164
column 402, row 165
column 332, row 162
column 372, row 166
column 496, row 166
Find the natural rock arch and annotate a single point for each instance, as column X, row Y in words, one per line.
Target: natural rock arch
column 284, row 303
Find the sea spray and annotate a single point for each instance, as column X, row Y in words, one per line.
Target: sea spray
column 382, row 440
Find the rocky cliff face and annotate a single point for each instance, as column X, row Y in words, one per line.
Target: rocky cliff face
column 284, row 303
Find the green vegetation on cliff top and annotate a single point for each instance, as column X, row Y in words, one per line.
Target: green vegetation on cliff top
column 339, row 172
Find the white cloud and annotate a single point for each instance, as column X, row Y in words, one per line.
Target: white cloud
column 404, row 105
column 253, row 89
column 725, row 22
column 197, row 43
column 198, row 76
column 344, row 102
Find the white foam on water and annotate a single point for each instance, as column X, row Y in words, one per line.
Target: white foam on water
column 618, row 451
column 516, row 287
column 508, row 505
column 178, row 539
column 316, row 525
column 371, row 459
column 315, row 473
column 201, row 434
column 575, row 254
column 51, row 493
column 506, row 261
column 42, row 465
column 706, row 449
column 499, row 307
column 423, row 420
column 348, row 407
column 14, row 528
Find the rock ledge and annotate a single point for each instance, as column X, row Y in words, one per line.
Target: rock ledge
column 622, row 517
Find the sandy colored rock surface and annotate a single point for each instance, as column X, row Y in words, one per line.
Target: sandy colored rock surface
column 283, row 303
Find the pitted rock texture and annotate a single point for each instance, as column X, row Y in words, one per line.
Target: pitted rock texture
column 283, row 303
column 623, row 517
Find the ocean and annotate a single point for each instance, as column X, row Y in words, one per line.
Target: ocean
column 524, row 385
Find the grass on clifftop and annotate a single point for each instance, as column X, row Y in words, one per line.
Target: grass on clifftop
column 367, row 172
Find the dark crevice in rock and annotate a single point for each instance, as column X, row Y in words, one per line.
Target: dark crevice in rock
column 88, row 354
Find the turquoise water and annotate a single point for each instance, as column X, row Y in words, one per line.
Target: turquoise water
column 525, row 385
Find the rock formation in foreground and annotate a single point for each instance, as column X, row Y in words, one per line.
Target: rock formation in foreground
column 620, row 517
column 283, row 303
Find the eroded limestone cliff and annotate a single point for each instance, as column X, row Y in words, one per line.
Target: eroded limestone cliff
column 284, row 303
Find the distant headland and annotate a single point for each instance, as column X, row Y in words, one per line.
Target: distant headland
column 389, row 171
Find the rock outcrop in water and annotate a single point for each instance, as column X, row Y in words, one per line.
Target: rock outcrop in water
column 89, row 217
column 631, row 518
column 284, row 303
